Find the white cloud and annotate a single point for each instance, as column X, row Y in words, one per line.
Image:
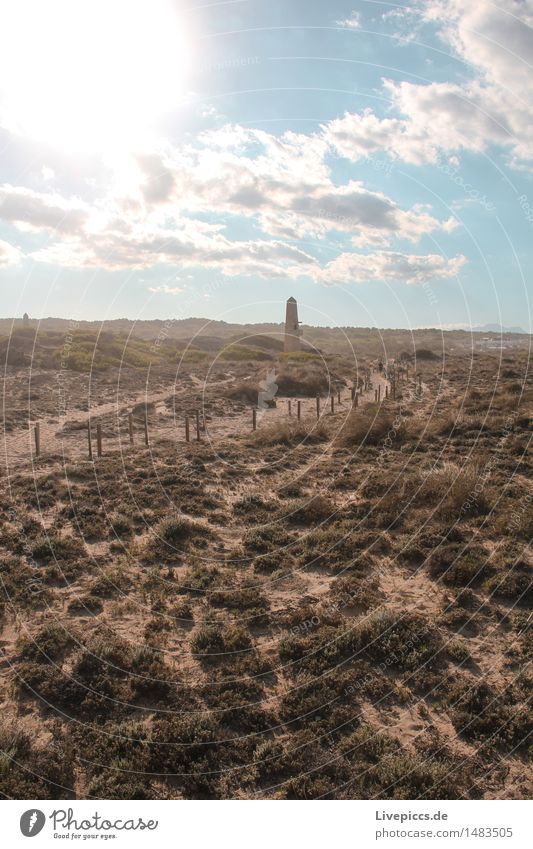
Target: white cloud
column 155, row 213
column 494, row 106
column 389, row 266
column 9, row 255
column 283, row 183
column 191, row 244
column 31, row 210
column 497, row 39
column 166, row 290
column 352, row 22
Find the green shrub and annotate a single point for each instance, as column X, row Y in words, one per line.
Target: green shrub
column 212, row 641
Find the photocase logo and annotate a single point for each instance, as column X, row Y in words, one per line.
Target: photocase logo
column 268, row 388
column 32, row 822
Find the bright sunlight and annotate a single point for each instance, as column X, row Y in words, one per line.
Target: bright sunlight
column 89, row 74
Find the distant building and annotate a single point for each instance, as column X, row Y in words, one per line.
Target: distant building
column 292, row 327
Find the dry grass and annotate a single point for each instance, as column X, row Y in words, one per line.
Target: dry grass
column 287, row 614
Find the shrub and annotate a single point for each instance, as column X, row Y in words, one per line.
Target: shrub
column 291, row 433
column 460, row 566
column 49, row 644
column 406, row 642
column 480, row 712
column 28, row 772
column 458, row 651
column 172, row 536
column 120, row 526
column 426, row 354
column 515, row 584
column 307, row 380
column 58, row 548
column 85, row 605
column 211, row 641
column 372, row 426
column 308, row 511
column 458, row 492
column 246, row 391
column 198, row 579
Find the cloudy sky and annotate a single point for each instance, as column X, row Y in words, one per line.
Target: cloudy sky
column 167, row 159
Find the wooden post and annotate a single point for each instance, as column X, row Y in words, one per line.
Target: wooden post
column 386, row 391
column 198, row 425
column 99, row 439
column 254, row 418
column 89, row 440
column 187, row 430
column 332, row 403
column 317, row 405
column 146, row 428
column 353, row 393
column 289, row 408
column 338, row 397
column 37, row 435
column 356, row 398
column 375, row 394
column 130, row 426
column 299, row 410
column 379, row 393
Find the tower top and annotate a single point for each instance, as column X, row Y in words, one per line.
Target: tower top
column 292, row 328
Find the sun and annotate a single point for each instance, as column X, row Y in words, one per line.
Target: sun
column 90, row 74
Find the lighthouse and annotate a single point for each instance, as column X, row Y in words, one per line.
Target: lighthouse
column 292, row 327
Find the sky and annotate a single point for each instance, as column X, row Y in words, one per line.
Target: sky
column 167, row 159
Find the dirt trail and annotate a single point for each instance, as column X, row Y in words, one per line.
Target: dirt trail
column 68, row 436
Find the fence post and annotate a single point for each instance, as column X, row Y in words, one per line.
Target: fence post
column 198, row 425
column 130, row 426
column 289, row 407
column 89, row 440
column 317, row 405
column 386, row 391
column 37, row 435
column 375, row 395
column 356, row 398
column 146, row 428
column 254, row 418
column 379, row 393
column 299, row 410
column 187, row 430
column 332, row 403
column 339, row 397
column 99, row 439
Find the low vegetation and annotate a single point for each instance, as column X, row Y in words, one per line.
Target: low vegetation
column 320, row 609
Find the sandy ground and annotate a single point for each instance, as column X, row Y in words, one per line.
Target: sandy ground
column 67, row 436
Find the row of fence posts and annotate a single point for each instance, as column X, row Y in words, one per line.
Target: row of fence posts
column 99, row 435
column 389, row 393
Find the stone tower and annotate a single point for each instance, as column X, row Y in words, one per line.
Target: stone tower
column 292, row 327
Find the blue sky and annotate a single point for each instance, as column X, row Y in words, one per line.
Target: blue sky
column 375, row 160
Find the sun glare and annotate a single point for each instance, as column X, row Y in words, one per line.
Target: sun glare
column 90, row 74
